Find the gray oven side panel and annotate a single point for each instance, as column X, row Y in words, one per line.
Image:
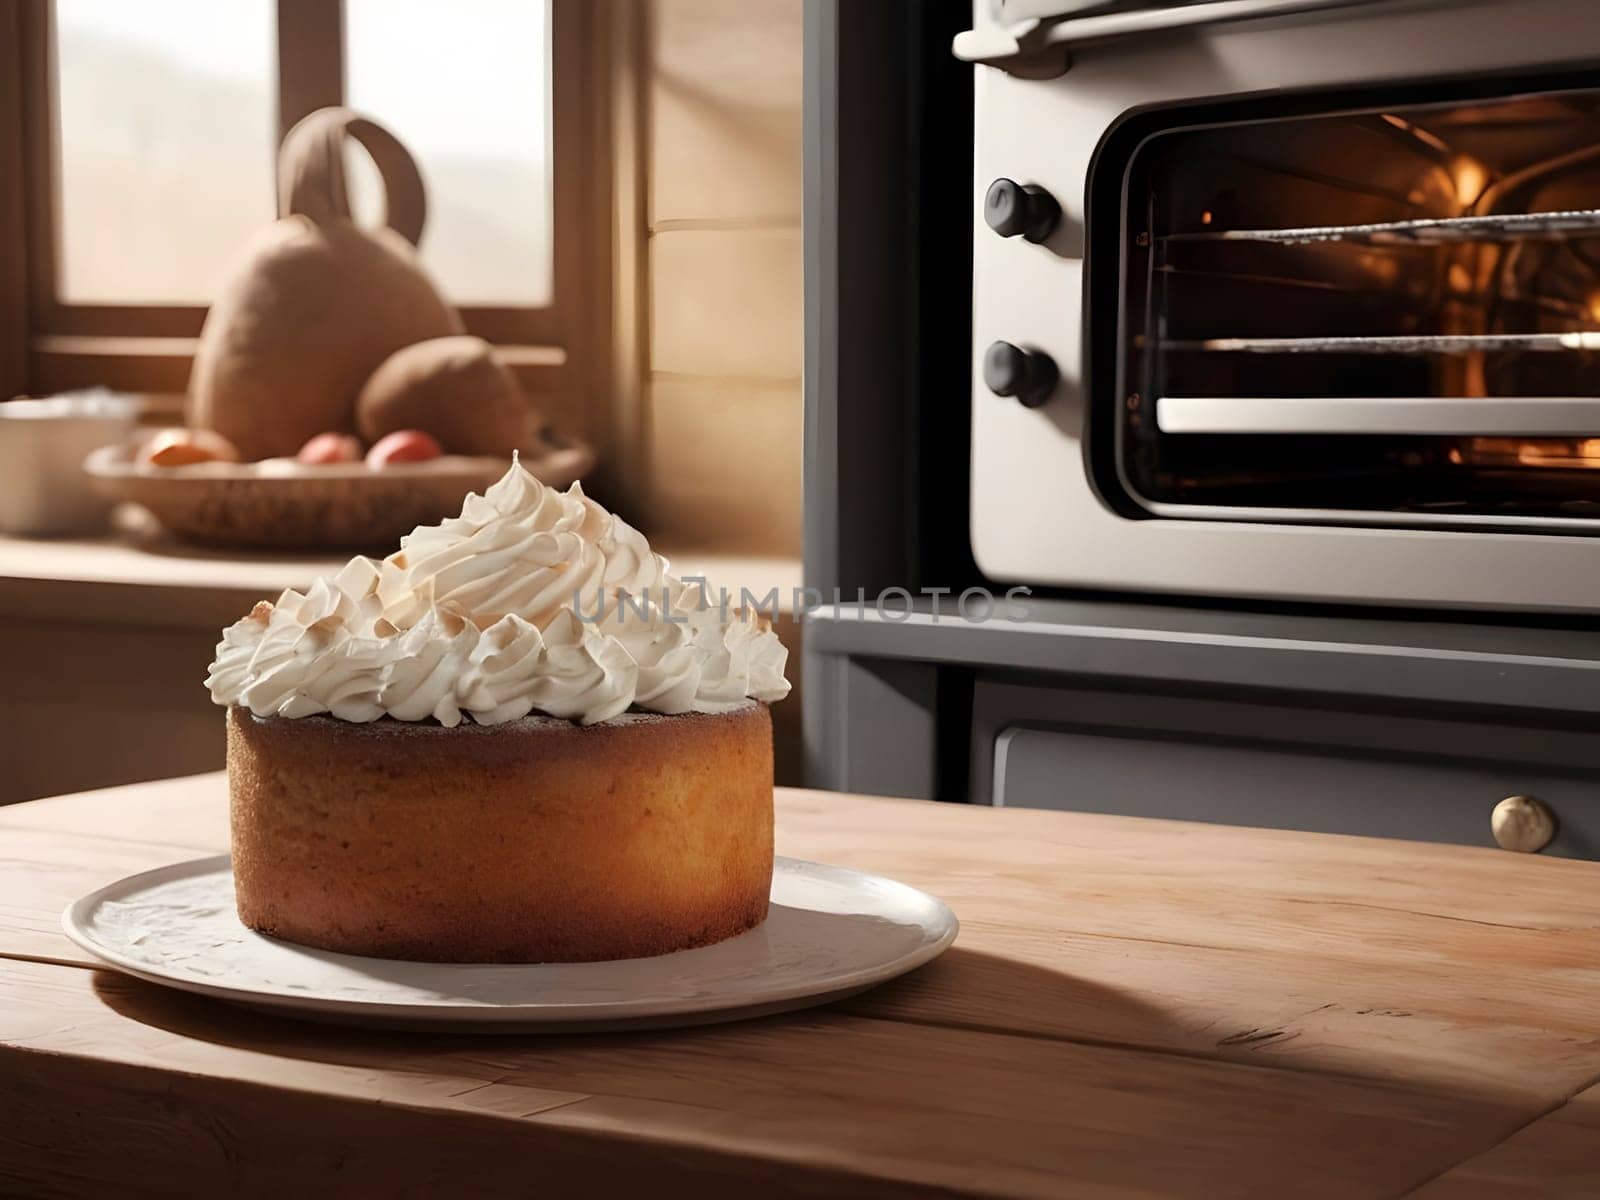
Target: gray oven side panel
column 860, row 529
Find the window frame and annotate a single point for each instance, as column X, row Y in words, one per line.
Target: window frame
column 149, row 348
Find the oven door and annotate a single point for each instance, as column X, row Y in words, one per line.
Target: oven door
column 1056, row 497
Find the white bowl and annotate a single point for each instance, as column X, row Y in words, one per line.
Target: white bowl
column 43, row 443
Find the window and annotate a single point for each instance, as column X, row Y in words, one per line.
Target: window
column 481, row 129
column 163, row 109
column 149, row 133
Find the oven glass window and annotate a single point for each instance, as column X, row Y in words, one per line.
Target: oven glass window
column 1390, row 315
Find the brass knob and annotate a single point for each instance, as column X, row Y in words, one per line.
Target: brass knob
column 1523, row 823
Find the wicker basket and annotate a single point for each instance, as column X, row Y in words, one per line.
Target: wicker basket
column 282, row 504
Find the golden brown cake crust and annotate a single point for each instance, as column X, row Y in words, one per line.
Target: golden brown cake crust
column 533, row 841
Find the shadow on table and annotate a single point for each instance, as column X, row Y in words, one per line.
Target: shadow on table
column 971, row 993
column 963, row 989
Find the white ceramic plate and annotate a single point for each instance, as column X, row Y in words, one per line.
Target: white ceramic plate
column 831, row 932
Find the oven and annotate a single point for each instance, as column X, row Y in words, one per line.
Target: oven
column 1275, row 365
column 1293, row 300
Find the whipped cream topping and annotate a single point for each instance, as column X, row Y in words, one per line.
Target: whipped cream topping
column 532, row 600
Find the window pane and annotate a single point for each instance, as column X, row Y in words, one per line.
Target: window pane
column 466, row 86
column 167, row 125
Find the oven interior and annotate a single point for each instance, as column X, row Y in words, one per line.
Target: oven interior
column 1385, row 315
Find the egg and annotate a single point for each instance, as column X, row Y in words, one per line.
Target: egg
column 185, row 447
column 403, row 446
column 327, row 449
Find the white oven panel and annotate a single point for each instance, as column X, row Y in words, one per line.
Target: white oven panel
column 1036, row 517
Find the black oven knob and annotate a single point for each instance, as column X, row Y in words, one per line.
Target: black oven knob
column 1013, row 208
column 1029, row 375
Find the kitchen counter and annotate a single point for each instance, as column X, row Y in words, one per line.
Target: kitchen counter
column 113, row 634
column 139, row 576
column 1133, row 1008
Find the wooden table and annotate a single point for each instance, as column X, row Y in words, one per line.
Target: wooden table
column 1133, row 1008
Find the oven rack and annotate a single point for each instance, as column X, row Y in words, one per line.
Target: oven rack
column 1448, row 343
column 1499, row 227
column 1451, row 416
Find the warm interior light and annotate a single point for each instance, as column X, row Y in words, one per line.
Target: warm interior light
column 1573, row 453
column 1470, row 179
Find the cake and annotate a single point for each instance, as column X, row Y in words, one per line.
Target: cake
column 516, row 739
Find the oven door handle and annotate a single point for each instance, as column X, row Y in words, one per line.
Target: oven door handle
column 1041, row 48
